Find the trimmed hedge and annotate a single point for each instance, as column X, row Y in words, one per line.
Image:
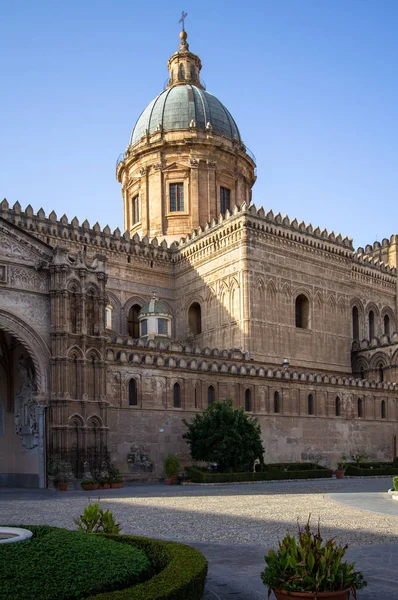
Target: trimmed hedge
column 199, row 477
column 181, row 572
column 395, row 483
column 353, row 471
column 286, row 466
column 56, row 564
column 178, row 571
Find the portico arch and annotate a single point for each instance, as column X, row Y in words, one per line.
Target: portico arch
column 35, row 345
column 25, row 367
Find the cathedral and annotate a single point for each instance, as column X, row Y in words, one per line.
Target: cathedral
column 109, row 339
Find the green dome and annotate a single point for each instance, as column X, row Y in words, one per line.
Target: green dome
column 155, row 307
column 176, row 107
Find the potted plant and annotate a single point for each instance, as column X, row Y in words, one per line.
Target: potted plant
column 104, row 483
column 114, row 477
column 89, row 484
column 171, row 467
column 309, row 567
column 341, row 465
column 60, row 471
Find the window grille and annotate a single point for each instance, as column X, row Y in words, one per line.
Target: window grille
column 211, row 395
column 225, row 196
column 144, row 327
column 162, row 326
column 248, row 400
column 177, row 396
column 176, row 197
column 136, row 209
column 132, row 392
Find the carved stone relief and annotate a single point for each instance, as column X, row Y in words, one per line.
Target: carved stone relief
column 25, row 417
column 29, row 279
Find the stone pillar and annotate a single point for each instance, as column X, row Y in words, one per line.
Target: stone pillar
column 41, row 446
column 194, row 195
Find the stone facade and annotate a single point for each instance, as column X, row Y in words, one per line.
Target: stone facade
column 246, row 292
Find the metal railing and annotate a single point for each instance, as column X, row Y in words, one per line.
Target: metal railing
column 186, row 80
column 120, row 159
column 250, row 153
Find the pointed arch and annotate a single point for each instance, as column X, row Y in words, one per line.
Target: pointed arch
column 34, row 344
column 271, row 290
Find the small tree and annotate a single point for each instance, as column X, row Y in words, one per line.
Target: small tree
column 225, row 435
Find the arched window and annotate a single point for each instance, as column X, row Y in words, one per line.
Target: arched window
column 277, row 404
column 133, row 323
column 90, row 312
column 338, row 407
column 310, row 404
column 381, row 373
column 195, row 318
column 192, row 72
column 302, row 312
column 362, row 373
column 355, row 323
column 108, row 316
column 181, row 73
column 211, row 395
column 360, row 407
column 133, row 392
column 73, row 310
column 177, row 395
column 371, row 324
column 248, row 400
column 386, row 325
column 383, row 409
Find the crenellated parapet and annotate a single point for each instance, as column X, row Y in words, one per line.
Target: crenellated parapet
column 54, row 231
column 201, row 242
column 192, row 358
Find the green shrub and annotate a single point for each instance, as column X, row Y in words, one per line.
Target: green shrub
column 171, row 465
column 195, row 474
column 395, row 483
column 94, row 520
column 353, row 471
column 178, row 571
column 55, row 564
column 308, row 564
column 199, row 477
column 395, row 462
column 226, row 436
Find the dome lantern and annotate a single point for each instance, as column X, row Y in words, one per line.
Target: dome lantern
column 184, row 66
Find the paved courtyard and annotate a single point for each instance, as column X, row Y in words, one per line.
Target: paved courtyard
column 234, row 526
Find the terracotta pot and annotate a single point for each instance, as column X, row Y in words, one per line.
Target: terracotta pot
column 104, row 486
column 116, row 485
column 341, row 595
column 339, row 474
column 167, row 481
column 174, row 479
column 63, row 487
column 89, row 486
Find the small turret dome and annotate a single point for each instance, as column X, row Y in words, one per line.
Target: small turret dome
column 155, row 307
column 184, row 106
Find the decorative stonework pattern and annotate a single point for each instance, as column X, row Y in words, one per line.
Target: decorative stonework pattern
column 28, row 279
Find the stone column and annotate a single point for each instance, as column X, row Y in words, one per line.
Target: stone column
column 41, row 446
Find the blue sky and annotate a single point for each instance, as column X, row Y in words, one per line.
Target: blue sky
column 312, row 85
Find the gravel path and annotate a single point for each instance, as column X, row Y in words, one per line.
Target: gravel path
column 234, row 526
column 245, row 514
